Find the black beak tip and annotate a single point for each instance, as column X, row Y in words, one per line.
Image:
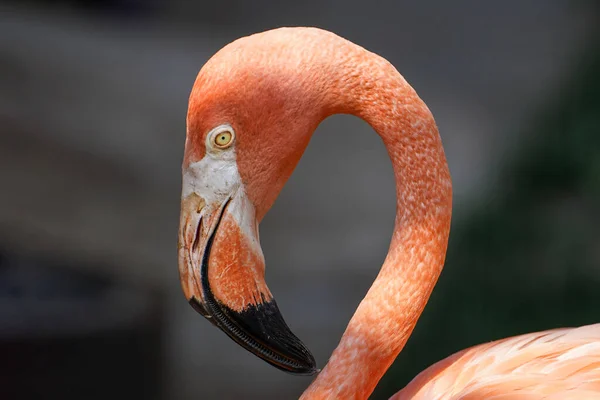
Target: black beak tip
column 262, row 330
column 278, row 345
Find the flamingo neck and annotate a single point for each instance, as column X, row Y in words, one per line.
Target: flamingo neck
column 386, row 317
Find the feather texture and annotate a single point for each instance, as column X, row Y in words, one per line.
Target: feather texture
column 551, row 365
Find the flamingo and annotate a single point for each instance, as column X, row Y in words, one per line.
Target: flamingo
column 252, row 110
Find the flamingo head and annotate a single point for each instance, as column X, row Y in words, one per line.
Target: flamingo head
column 249, row 120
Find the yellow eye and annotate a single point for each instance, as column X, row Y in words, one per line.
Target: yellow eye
column 223, row 139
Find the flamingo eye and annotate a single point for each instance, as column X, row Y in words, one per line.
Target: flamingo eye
column 223, row 139
column 220, row 138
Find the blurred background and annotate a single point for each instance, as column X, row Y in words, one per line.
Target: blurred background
column 93, row 98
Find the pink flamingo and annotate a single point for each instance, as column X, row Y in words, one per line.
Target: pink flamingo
column 251, row 114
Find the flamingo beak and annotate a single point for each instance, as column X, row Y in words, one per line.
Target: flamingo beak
column 222, row 268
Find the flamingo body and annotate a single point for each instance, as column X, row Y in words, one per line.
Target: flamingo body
column 252, row 111
column 551, row 365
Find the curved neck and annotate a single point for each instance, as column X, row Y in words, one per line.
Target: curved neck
column 374, row 91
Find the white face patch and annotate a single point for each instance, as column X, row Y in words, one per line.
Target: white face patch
column 215, row 178
column 212, row 178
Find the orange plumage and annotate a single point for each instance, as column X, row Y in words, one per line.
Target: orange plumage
column 556, row 364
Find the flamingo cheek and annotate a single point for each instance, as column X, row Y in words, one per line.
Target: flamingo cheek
column 236, row 267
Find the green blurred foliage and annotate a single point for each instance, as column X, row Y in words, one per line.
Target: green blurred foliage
column 528, row 258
